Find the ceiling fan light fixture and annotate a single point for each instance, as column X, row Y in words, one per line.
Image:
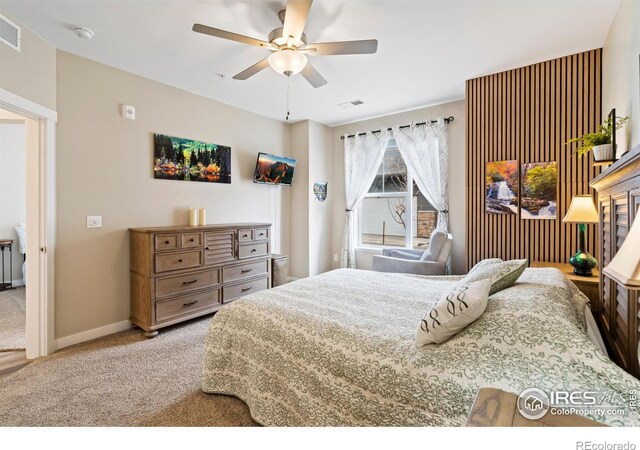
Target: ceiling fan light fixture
column 287, row 62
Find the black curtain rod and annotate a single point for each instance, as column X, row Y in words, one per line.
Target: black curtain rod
column 446, row 119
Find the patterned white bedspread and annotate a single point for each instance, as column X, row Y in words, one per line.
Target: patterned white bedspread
column 339, row 349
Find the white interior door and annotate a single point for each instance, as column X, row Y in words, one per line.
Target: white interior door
column 40, row 188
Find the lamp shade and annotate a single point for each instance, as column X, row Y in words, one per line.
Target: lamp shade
column 287, row 62
column 581, row 210
column 624, row 268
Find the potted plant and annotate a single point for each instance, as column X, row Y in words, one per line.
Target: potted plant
column 600, row 141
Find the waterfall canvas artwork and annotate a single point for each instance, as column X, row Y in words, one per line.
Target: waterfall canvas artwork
column 501, row 186
column 539, row 190
column 182, row 159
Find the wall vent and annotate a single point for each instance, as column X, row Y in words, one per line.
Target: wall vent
column 9, row 33
column 351, row 103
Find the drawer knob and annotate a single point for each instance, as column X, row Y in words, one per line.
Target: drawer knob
column 246, row 289
column 246, row 270
column 192, row 240
column 180, row 260
column 261, row 234
column 253, row 250
column 166, row 242
column 245, row 235
column 206, row 248
column 189, row 282
column 190, row 303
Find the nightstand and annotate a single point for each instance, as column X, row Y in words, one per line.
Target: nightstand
column 587, row 285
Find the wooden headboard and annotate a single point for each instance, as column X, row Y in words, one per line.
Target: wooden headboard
column 618, row 189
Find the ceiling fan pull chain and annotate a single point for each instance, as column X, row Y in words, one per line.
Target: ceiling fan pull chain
column 288, row 88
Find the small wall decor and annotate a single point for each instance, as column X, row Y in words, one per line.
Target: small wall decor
column 539, row 190
column 320, row 189
column 182, row 159
column 501, row 187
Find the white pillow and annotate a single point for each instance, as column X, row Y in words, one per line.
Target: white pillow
column 460, row 307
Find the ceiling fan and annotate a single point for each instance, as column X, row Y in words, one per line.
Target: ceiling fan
column 289, row 47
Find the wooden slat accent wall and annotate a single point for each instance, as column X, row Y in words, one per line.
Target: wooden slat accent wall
column 527, row 114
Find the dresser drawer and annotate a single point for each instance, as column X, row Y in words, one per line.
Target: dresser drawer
column 245, row 235
column 168, row 286
column 191, row 240
column 166, row 242
column 230, row 293
column 177, row 261
column 252, row 250
column 260, row 234
column 244, row 271
column 170, row 309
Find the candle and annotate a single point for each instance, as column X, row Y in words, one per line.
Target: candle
column 202, row 213
column 193, row 217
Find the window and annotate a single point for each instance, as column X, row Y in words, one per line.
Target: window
column 391, row 214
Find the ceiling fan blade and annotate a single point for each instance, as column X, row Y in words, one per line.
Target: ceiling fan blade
column 313, row 76
column 365, row 47
column 199, row 28
column 295, row 18
column 251, row 71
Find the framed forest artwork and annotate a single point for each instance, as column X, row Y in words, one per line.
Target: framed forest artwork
column 539, row 190
column 501, row 187
column 183, row 159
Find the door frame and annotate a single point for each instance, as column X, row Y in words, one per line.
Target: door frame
column 41, row 219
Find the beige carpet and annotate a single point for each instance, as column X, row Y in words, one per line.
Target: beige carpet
column 12, row 320
column 121, row 380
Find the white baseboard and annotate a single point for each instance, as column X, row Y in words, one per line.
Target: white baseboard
column 92, row 334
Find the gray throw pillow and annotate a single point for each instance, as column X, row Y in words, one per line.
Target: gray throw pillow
column 502, row 275
column 484, row 263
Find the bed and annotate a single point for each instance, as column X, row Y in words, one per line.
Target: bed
column 338, row 349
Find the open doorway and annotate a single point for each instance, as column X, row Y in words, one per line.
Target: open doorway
column 37, row 228
column 13, row 231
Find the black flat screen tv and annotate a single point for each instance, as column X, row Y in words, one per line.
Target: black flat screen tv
column 272, row 169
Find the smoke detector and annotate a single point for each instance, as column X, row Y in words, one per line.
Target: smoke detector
column 83, row 33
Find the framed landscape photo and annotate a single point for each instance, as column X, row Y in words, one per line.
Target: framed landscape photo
column 539, row 190
column 501, row 187
column 183, row 159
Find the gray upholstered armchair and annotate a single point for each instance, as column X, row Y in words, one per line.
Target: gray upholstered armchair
column 432, row 261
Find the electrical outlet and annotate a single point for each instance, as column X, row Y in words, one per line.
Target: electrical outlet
column 335, row 257
column 94, row 221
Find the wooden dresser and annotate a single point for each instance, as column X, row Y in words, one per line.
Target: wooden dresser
column 618, row 205
column 179, row 273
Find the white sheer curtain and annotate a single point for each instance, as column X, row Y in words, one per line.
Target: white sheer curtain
column 363, row 154
column 424, row 150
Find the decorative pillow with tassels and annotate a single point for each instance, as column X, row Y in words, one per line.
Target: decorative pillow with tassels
column 460, row 307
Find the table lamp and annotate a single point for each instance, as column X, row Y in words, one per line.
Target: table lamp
column 582, row 211
column 624, row 268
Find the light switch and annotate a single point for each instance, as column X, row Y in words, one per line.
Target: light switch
column 94, row 221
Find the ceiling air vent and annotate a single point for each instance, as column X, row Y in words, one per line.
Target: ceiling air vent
column 9, row 33
column 351, row 104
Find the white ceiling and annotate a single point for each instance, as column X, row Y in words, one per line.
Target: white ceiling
column 426, row 50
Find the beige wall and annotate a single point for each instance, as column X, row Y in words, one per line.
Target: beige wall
column 30, row 73
column 456, row 174
column 104, row 167
column 299, row 255
column 320, row 162
column 620, row 65
column 310, row 219
column 12, row 189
